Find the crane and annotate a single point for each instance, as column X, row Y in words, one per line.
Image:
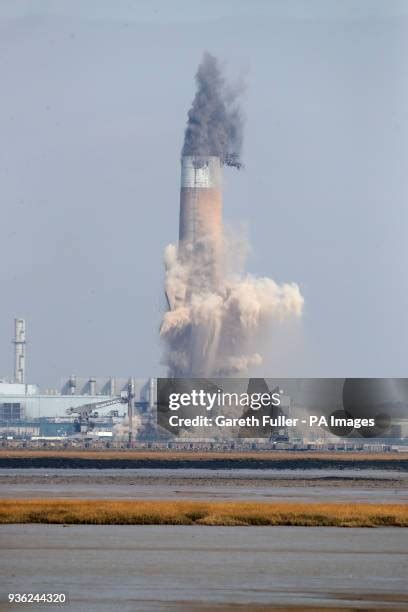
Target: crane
column 86, row 411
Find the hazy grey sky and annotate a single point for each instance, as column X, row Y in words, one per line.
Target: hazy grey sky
column 93, row 106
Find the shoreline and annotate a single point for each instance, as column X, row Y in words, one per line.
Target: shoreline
column 141, row 459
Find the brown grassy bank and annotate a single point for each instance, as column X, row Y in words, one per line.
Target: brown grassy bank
column 110, row 512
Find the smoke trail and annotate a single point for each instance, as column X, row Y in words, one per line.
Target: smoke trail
column 215, row 124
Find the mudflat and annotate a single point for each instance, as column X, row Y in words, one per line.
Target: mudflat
column 178, row 568
column 344, row 485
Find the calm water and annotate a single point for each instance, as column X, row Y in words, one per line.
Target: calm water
column 178, row 568
column 377, row 486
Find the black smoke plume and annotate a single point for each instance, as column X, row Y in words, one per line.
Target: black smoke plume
column 215, row 123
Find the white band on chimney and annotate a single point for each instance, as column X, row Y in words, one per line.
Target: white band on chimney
column 200, row 172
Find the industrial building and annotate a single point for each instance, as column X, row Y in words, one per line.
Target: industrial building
column 81, row 406
column 123, row 410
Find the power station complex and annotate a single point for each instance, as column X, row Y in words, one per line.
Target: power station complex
column 121, row 408
column 91, row 410
column 115, row 411
column 116, row 408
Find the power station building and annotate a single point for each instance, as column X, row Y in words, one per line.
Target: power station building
column 26, row 401
column 27, row 411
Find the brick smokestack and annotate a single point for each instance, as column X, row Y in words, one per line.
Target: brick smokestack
column 200, row 229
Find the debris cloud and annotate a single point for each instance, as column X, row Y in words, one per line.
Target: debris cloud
column 217, row 332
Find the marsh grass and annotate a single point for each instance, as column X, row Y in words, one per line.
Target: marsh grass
column 161, row 512
column 177, row 455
